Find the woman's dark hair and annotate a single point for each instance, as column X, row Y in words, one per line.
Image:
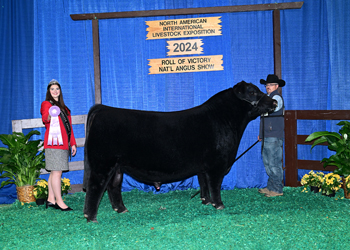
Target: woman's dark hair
column 60, row 102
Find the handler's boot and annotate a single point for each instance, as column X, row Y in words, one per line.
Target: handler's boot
column 263, row 191
column 273, row 194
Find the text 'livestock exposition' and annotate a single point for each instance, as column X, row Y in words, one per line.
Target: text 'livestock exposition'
column 177, row 28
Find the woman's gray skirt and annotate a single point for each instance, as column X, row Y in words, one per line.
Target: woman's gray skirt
column 56, row 159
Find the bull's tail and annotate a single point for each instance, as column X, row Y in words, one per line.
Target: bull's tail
column 195, row 194
column 90, row 119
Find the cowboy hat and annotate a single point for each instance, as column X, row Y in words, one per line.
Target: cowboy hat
column 273, row 79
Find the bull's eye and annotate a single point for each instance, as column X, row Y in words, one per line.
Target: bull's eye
column 252, row 93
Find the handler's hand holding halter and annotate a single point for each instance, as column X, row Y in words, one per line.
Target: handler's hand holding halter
column 55, row 130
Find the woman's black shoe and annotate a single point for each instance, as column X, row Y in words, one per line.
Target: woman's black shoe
column 50, row 204
column 63, row 209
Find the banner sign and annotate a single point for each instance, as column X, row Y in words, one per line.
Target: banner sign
column 185, row 64
column 189, row 27
column 184, row 47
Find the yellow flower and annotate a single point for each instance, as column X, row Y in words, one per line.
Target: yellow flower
column 66, row 181
column 42, row 184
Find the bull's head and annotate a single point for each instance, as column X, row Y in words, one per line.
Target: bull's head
column 259, row 102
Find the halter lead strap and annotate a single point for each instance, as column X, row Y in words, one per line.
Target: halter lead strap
column 254, row 103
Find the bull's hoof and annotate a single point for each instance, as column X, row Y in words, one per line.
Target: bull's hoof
column 89, row 220
column 221, row 207
column 205, row 201
column 94, row 221
column 121, row 211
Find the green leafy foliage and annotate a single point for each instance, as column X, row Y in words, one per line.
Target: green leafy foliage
column 21, row 160
column 337, row 142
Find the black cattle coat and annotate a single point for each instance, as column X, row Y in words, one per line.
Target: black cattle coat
column 164, row 147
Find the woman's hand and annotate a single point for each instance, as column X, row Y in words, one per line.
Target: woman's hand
column 74, row 150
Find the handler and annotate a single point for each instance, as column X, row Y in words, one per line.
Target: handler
column 272, row 134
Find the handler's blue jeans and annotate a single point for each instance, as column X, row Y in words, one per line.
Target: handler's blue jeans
column 272, row 158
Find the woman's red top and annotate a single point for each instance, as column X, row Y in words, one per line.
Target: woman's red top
column 44, row 110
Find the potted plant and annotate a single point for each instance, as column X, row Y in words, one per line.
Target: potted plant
column 337, row 142
column 65, row 186
column 331, row 184
column 312, row 180
column 41, row 190
column 20, row 163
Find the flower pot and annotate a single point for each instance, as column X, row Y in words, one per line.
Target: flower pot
column 314, row 189
column 346, row 193
column 329, row 195
column 40, row 201
column 25, row 194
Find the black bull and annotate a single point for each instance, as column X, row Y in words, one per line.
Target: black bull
column 164, row 147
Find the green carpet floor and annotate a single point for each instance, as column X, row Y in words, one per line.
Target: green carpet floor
column 296, row 220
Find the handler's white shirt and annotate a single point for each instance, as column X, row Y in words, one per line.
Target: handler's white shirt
column 279, row 102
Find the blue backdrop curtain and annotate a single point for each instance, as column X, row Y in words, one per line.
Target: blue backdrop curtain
column 16, row 70
column 41, row 42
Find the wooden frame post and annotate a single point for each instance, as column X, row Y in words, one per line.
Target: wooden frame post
column 97, row 61
column 277, row 43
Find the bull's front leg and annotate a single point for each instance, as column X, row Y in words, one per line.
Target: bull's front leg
column 203, row 184
column 96, row 186
column 114, row 190
column 214, row 182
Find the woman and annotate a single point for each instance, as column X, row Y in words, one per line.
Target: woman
column 59, row 139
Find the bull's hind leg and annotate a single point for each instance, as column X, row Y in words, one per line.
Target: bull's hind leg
column 114, row 189
column 203, row 184
column 214, row 183
column 96, row 186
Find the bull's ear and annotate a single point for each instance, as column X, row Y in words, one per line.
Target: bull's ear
column 237, row 88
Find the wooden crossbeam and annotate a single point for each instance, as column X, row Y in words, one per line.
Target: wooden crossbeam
column 188, row 11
